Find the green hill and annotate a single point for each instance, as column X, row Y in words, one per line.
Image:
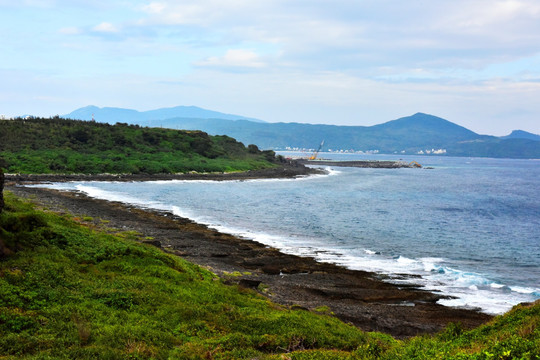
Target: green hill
column 408, row 135
column 44, row 146
column 70, row 291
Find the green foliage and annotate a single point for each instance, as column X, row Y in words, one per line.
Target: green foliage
column 77, row 293
column 45, row 146
column 409, row 134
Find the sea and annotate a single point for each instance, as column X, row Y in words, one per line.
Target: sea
column 466, row 228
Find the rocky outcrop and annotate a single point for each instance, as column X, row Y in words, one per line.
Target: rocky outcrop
column 377, row 164
column 289, row 169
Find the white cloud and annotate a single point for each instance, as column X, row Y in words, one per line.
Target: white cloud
column 234, row 58
column 488, row 14
column 105, row 27
column 154, row 8
column 295, row 60
column 70, row 31
column 361, row 35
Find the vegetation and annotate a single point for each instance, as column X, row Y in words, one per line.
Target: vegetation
column 45, row 146
column 409, row 134
column 71, row 291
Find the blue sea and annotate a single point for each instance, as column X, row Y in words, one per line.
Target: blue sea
column 469, row 228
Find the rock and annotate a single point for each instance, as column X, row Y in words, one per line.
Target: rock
column 155, row 243
column 271, row 269
column 247, row 283
column 219, row 255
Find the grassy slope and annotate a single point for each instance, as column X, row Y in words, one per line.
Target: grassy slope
column 69, row 291
column 43, row 146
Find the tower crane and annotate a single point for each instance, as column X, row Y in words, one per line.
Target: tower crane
column 314, row 156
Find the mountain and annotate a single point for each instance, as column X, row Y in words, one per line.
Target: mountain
column 419, row 131
column 113, row 115
column 520, row 134
column 416, row 134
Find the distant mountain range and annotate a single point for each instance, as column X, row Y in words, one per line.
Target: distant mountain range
column 114, row 115
column 417, row 134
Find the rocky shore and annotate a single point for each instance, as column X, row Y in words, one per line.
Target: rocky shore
column 290, row 170
column 373, row 164
column 360, row 298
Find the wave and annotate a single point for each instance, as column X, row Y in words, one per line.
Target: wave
column 460, row 288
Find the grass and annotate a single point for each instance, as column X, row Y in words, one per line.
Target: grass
column 70, row 292
column 61, row 146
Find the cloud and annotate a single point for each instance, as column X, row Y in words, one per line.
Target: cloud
column 105, row 27
column 362, row 35
column 234, row 58
column 154, row 8
column 308, row 58
column 70, row 31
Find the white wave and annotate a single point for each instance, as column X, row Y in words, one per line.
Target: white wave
column 332, row 171
column 480, row 299
column 118, row 196
column 525, row 290
column 466, row 289
column 406, row 261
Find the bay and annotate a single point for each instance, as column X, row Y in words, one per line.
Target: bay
column 469, row 227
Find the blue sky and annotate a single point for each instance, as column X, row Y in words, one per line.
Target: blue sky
column 346, row 62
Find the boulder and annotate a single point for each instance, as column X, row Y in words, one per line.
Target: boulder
column 248, row 283
column 155, row 243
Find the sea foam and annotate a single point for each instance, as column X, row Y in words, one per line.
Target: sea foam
column 390, row 222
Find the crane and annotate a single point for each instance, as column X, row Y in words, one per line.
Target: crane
column 314, row 156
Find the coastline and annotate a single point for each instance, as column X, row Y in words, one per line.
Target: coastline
column 290, row 170
column 361, row 298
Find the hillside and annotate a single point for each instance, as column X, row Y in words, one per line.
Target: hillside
column 112, row 115
column 416, row 134
column 75, row 288
column 44, row 146
column 520, row 134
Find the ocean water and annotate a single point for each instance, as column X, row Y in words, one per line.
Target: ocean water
column 469, row 227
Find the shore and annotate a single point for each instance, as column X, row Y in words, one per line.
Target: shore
column 375, row 164
column 361, row 298
column 290, row 170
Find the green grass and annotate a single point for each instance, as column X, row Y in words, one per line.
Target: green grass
column 68, row 291
column 60, row 146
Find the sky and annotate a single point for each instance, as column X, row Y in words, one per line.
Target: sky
column 345, row 62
